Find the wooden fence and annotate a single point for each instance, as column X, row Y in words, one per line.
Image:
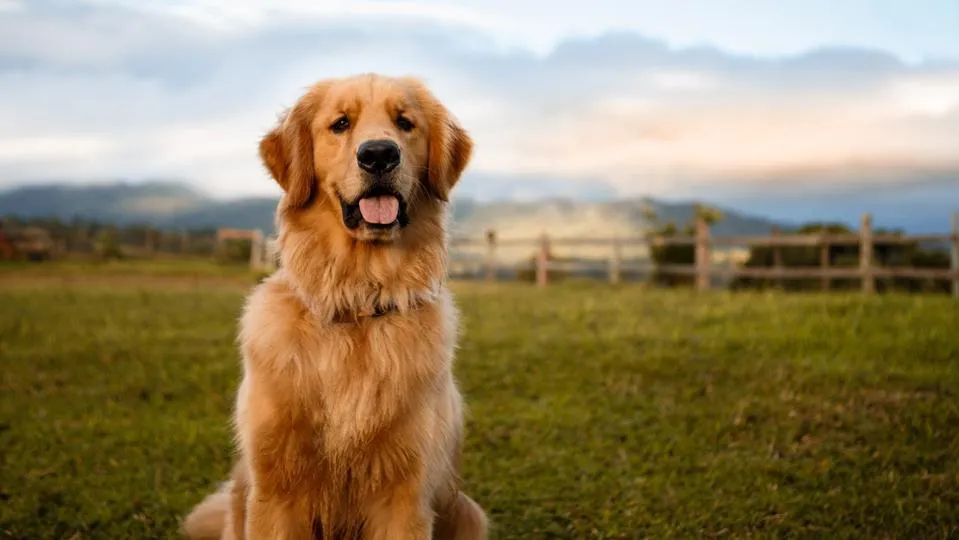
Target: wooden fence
column 259, row 257
column 702, row 270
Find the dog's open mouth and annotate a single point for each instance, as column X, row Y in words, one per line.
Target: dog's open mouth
column 376, row 209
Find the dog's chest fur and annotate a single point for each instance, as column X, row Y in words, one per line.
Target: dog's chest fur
column 368, row 375
column 355, row 390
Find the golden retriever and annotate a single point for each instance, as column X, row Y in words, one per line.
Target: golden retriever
column 348, row 420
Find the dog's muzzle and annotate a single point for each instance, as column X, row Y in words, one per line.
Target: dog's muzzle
column 380, row 207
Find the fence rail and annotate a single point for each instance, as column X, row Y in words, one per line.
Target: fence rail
column 703, row 269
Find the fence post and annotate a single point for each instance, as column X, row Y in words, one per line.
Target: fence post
column 256, row 250
column 615, row 262
column 542, row 261
column 270, row 254
column 702, row 254
column 777, row 257
column 652, row 243
column 955, row 254
column 185, row 242
column 824, row 263
column 490, row 262
column 865, row 254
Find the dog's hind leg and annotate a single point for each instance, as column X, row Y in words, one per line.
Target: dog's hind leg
column 221, row 514
column 460, row 519
column 208, row 519
column 236, row 521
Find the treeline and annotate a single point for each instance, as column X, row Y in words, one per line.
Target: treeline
column 899, row 254
column 55, row 238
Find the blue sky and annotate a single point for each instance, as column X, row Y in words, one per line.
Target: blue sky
column 736, row 99
column 912, row 30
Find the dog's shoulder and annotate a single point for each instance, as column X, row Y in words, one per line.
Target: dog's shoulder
column 272, row 322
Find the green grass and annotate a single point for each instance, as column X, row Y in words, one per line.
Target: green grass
column 172, row 267
column 595, row 412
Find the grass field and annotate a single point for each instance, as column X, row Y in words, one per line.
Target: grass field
column 596, row 412
column 125, row 272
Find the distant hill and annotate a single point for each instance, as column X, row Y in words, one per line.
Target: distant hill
column 119, row 201
column 573, row 218
column 566, row 217
column 174, row 205
column 159, row 203
column 916, row 206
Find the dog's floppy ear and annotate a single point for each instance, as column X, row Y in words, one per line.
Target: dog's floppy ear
column 450, row 146
column 287, row 152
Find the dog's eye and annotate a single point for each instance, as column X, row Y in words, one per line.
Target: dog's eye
column 404, row 123
column 342, row 124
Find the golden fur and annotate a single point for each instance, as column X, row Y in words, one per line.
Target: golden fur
column 351, row 429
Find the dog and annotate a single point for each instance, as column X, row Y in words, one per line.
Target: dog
column 348, row 420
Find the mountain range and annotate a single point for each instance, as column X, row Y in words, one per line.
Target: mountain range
column 175, row 205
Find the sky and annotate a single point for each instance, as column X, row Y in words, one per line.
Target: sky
column 725, row 99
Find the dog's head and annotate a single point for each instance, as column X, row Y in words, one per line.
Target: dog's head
column 371, row 148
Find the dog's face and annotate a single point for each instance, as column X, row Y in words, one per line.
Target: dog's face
column 370, row 148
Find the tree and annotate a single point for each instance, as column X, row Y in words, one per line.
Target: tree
column 650, row 215
column 108, row 244
column 709, row 214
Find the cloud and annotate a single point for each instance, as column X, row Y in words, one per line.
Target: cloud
column 904, row 124
column 185, row 89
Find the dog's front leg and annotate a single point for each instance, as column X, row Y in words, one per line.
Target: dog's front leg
column 272, row 450
column 401, row 514
column 270, row 518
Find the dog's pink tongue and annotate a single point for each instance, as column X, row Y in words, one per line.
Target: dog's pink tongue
column 382, row 209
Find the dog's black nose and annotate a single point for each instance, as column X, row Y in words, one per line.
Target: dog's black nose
column 378, row 156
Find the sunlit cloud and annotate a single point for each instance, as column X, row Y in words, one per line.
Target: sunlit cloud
column 185, row 90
